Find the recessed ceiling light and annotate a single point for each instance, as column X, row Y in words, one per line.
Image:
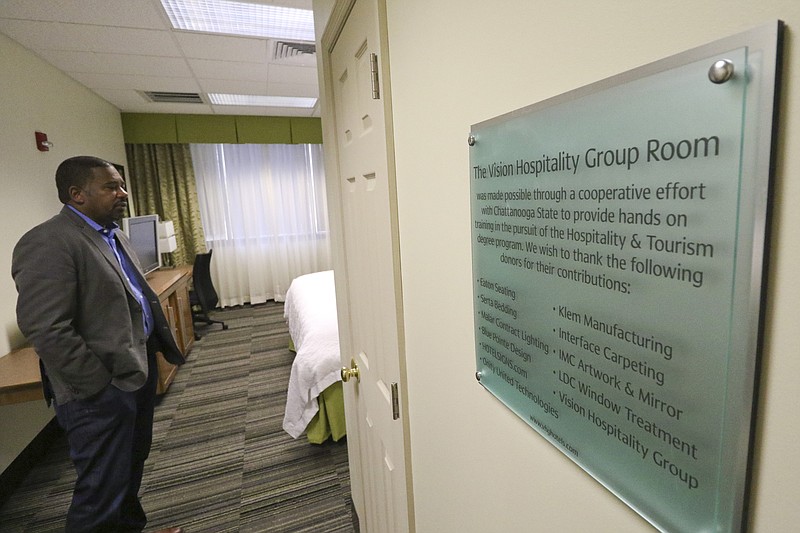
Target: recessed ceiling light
column 241, row 18
column 254, row 100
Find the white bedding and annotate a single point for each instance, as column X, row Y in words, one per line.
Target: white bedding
column 310, row 311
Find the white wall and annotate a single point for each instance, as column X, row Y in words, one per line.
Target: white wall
column 35, row 96
column 476, row 466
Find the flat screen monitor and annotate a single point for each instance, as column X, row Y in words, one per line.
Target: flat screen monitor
column 142, row 231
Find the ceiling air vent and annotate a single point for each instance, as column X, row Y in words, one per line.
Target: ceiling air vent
column 287, row 49
column 173, row 98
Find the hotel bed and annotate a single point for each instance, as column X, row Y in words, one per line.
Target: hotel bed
column 314, row 401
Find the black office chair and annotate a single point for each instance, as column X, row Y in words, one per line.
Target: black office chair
column 203, row 298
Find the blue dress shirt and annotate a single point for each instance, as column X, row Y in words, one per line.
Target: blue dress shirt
column 109, row 235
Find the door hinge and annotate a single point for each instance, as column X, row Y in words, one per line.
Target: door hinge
column 395, row 402
column 373, row 69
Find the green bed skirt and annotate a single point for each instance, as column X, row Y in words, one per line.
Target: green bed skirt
column 329, row 421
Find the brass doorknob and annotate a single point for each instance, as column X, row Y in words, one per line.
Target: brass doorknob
column 351, row 372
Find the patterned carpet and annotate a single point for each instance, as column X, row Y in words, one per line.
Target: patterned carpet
column 220, row 460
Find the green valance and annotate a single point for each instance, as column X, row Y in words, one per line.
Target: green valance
column 158, row 128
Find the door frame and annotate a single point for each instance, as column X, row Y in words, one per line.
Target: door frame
column 333, row 28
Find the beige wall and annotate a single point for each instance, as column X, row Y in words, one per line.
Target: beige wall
column 476, row 466
column 35, row 96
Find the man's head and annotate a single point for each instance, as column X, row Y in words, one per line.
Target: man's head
column 94, row 187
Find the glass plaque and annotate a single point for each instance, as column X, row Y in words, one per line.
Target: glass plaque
column 618, row 237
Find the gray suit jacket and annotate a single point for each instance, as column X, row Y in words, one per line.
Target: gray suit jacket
column 76, row 309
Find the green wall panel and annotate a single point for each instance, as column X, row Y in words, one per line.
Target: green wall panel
column 263, row 130
column 152, row 128
column 156, row 128
column 206, row 129
column 306, row 130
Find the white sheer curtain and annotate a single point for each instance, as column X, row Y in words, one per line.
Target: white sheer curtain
column 265, row 216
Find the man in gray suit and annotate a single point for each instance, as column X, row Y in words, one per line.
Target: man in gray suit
column 96, row 325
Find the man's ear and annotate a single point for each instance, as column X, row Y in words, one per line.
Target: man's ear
column 76, row 195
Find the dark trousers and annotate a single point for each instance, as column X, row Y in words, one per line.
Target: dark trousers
column 109, row 439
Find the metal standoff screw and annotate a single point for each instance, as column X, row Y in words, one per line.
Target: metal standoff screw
column 721, row 71
column 478, row 375
column 471, row 140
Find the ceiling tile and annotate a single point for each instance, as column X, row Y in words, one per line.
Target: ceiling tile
column 133, row 102
column 234, row 86
column 121, row 13
column 228, row 70
column 82, row 37
column 292, row 74
column 131, row 41
column 221, row 47
column 117, row 63
column 297, row 4
column 140, row 83
column 293, row 89
column 261, row 110
column 122, row 98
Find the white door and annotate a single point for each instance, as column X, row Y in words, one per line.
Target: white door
column 368, row 276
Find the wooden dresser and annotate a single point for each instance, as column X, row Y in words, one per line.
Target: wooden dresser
column 172, row 288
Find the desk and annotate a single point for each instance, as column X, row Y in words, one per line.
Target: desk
column 19, row 370
column 172, row 287
column 20, row 380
